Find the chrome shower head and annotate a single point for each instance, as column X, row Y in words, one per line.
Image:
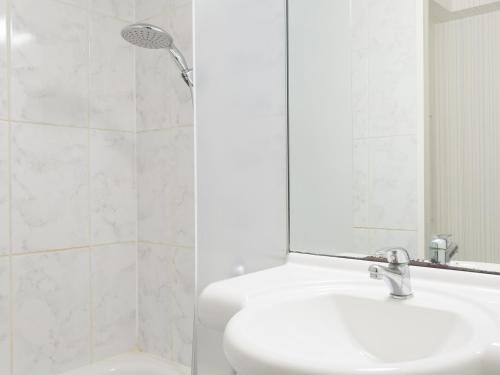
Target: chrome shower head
column 147, row 36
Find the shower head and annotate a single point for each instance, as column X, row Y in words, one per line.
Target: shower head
column 147, row 36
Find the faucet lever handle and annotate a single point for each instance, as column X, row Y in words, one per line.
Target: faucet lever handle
column 441, row 241
column 394, row 255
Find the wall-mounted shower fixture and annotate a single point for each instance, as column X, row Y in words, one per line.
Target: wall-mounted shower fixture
column 149, row 36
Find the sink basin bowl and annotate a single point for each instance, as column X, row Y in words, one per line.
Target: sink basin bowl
column 358, row 329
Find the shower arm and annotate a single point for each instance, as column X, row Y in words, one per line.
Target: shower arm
column 186, row 72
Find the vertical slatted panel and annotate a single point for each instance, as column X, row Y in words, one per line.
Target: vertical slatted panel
column 464, row 135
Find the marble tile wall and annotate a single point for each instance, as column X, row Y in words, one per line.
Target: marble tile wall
column 77, row 190
column 166, row 292
column 165, row 188
column 68, row 191
column 384, row 117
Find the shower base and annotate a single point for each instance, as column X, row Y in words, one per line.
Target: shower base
column 132, row 364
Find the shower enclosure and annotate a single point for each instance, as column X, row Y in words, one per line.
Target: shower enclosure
column 96, row 187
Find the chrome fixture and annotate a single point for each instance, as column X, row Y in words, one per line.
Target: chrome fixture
column 397, row 274
column 149, row 36
column 442, row 249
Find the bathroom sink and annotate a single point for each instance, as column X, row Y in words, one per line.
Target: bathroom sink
column 325, row 316
column 351, row 329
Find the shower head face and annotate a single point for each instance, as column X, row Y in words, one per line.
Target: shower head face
column 147, row 36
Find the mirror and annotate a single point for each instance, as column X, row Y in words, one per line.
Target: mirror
column 394, row 126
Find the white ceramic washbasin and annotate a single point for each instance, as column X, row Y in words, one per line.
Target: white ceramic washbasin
column 324, row 316
column 359, row 329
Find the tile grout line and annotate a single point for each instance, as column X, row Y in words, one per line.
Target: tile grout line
column 388, row 228
column 64, row 249
column 369, row 207
column 166, row 129
column 351, row 118
column 41, row 123
column 170, row 338
column 89, row 178
column 136, row 176
column 383, row 136
column 8, row 22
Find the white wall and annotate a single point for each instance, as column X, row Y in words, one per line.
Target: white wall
column 67, row 184
column 240, row 122
column 240, row 136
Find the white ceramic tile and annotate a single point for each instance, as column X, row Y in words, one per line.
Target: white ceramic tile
column 5, row 314
column 3, row 61
column 154, row 296
column 381, row 238
column 51, row 306
column 80, row 3
column 149, row 8
column 361, row 183
column 112, row 102
column 180, row 273
column 393, row 171
column 49, row 62
column 152, row 99
column 361, row 241
column 167, row 105
column 393, row 69
column 113, row 191
column 367, row 240
column 49, row 187
column 114, row 287
column 118, row 8
column 4, row 188
column 158, row 106
column 166, row 299
column 384, row 67
column 165, row 184
column 360, row 62
column 181, row 3
column 385, row 183
column 180, row 24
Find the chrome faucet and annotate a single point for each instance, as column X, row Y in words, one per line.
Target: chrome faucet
column 442, row 249
column 397, row 274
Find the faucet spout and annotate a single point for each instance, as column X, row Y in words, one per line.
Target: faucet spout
column 396, row 275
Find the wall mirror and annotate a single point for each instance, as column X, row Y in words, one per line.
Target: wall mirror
column 394, row 129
